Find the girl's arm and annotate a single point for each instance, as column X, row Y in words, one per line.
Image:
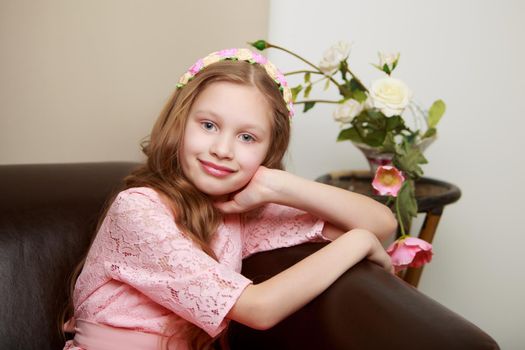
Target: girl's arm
column 263, row 305
column 345, row 210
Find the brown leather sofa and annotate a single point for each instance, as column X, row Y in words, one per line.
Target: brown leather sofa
column 47, row 216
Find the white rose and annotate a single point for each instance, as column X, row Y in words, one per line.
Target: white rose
column 333, row 56
column 390, row 96
column 390, row 59
column 244, row 54
column 347, row 111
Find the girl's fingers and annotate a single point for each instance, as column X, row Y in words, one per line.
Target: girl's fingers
column 224, row 207
column 230, row 207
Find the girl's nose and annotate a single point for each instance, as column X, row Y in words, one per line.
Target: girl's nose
column 222, row 147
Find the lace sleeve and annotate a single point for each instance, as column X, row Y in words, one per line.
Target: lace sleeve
column 276, row 226
column 148, row 252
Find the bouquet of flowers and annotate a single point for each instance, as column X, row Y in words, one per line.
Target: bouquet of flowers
column 382, row 117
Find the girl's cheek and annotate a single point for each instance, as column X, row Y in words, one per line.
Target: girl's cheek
column 250, row 164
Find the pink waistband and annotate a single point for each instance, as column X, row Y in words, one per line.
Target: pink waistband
column 92, row 336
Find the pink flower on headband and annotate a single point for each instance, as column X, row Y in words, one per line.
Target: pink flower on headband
column 259, row 58
column 242, row 55
column 196, row 68
column 291, row 109
column 227, row 52
column 281, row 79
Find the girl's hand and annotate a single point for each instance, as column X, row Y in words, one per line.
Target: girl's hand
column 257, row 192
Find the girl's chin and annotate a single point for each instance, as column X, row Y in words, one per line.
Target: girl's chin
column 217, row 195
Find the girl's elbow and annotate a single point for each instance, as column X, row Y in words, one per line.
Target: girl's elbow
column 261, row 321
column 389, row 225
column 255, row 310
column 265, row 317
column 262, row 325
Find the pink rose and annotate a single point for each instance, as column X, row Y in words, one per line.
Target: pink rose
column 388, row 180
column 281, row 79
column 409, row 252
column 259, row 58
column 227, row 52
column 196, row 67
column 291, row 109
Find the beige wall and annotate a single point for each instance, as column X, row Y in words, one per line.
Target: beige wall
column 84, row 80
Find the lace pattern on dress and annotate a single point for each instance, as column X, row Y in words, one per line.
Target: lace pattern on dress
column 276, row 226
column 142, row 273
column 141, row 246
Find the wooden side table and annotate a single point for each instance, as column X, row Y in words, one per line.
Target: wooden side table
column 431, row 195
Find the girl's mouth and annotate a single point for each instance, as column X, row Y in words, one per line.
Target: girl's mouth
column 215, row 170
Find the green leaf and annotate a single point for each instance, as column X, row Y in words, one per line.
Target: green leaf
column 308, row 106
column 295, row 91
column 371, row 126
column 259, row 44
column 386, row 69
column 372, row 137
column 350, row 134
column 435, row 113
column 406, row 204
column 375, row 138
column 346, row 91
column 360, row 96
column 377, row 66
column 354, row 84
column 327, row 84
column 389, row 145
column 307, row 77
column 357, row 90
column 396, row 62
column 307, row 90
column 410, row 137
column 395, row 123
column 343, row 68
column 430, row 132
column 408, row 158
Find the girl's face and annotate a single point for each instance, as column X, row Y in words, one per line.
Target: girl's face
column 226, row 138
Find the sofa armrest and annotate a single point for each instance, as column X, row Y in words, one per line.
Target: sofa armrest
column 366, row 308
column 48, row 215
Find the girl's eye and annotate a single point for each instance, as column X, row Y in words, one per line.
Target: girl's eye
column 208, row 126
column 247, row 138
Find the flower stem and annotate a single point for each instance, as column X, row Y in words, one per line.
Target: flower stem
column 316, row 101
column 357, row 79
column 401, row 224
column 268, row 45
column 303, row 71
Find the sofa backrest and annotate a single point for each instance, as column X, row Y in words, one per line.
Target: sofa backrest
column 48, row 215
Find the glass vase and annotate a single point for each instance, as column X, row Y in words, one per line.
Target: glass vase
column 377, row 158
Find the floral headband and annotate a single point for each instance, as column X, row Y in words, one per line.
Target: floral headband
column 242, row 55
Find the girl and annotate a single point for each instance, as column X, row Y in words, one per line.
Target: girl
column 164, row 268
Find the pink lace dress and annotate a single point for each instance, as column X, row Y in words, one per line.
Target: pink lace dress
column 142, row 274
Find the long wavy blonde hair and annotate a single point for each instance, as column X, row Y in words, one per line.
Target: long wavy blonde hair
column 193, row 210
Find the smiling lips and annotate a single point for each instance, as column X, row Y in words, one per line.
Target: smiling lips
column 215, row 170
